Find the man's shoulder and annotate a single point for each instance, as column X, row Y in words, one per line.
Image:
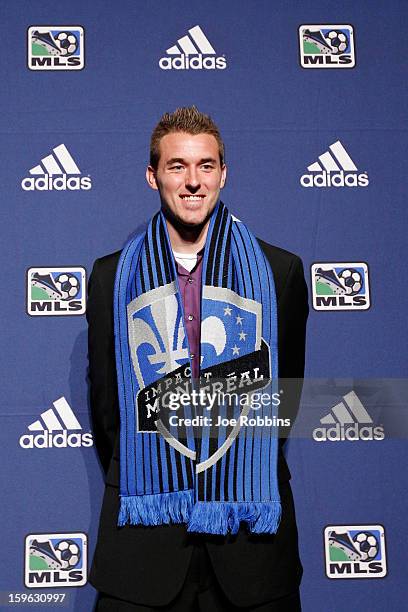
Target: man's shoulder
column 106, row 266
column 281, row 262
column 277, row 255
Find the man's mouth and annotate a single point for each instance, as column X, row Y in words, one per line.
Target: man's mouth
column 192, row 198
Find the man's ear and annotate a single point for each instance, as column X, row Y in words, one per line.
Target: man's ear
column 223, row 176
column 151, row 177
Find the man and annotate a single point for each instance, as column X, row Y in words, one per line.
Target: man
column 194, row 540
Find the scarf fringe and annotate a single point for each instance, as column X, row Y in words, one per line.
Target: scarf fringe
column 158, row 509
column 219, row 518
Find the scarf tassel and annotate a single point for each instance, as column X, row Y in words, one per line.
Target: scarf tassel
column 222, row 517
column 156, row 509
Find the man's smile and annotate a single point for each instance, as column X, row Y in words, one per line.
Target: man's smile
column 192, row 198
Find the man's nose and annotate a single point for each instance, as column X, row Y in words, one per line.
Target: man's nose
column 192, row 180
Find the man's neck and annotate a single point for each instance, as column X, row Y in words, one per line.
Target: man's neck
column 186, row 240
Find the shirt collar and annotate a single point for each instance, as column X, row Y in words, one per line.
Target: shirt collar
column 181, row 270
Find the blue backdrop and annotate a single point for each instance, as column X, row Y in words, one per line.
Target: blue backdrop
column 277, row 117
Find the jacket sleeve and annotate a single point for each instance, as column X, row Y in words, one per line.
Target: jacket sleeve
column 102, row 367
column 293, row 310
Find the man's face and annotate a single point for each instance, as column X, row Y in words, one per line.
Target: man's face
column 189, row 177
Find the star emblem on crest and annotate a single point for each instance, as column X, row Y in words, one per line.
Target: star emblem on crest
column 232, row 328
column 239, row 320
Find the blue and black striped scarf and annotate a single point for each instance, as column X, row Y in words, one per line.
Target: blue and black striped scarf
column 209, row 477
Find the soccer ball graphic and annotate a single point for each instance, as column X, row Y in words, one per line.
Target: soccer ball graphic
column 337, row 40
column 351, row 279
column 366, row 544
column 67, row 42
column 68, row 285
column 68, row 552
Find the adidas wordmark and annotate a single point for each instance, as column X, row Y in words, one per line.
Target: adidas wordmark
column 348, row 420
column 335, row 168
column 56, row 171
column 59, row 419
column 193, row 52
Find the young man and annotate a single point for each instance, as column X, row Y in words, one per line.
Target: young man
column 206, row 521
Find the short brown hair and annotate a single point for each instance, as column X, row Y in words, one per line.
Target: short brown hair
column 184, row 119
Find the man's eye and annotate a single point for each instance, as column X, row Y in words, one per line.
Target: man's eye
column 176, row 167
column 207, row 166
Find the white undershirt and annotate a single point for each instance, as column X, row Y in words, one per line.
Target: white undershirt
column 187, row 260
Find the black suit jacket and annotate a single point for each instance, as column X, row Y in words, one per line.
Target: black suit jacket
column 147, row 565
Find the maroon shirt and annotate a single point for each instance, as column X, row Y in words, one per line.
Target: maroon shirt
column 190, row 288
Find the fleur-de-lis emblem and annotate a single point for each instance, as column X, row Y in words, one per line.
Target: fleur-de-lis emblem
column 159, row 325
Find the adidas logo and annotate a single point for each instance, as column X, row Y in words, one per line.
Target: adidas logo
column 194, row 51
column 348, row 420
column 58, row 419
column 336, row 169
column 56, row 171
